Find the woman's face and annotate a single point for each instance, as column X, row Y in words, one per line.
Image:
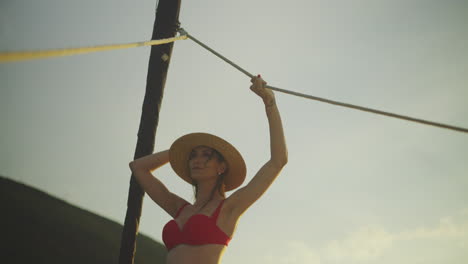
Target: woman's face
column 204, row 163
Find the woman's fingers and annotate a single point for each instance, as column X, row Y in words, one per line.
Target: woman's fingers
column 259, row 86
column 256, row 77
column 258, row 80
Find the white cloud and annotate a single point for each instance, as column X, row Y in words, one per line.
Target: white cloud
column 371, row 242
column 366, row 243
column 375, row 244
column 295, row 252
column 449, row 227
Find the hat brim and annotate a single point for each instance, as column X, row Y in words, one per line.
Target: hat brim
column 181, row 148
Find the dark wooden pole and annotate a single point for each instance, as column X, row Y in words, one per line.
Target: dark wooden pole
column 165, row 26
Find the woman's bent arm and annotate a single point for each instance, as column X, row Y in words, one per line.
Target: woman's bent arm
column 141, row 170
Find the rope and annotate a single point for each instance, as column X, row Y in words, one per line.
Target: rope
column 30, row 55
column 357, row 107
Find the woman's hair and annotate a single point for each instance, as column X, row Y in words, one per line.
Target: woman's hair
column 219, row 186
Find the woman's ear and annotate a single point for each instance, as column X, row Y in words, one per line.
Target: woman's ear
column 222, row 168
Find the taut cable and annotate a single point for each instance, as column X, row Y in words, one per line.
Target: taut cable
column 357, row 107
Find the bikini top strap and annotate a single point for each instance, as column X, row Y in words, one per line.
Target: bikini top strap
column 218, row 209
column 180, row 210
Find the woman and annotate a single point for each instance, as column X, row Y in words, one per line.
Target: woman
column 200, row 232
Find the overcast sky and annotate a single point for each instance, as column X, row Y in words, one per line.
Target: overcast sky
column 358, row 188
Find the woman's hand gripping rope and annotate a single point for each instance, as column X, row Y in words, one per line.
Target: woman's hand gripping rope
column 259, row 87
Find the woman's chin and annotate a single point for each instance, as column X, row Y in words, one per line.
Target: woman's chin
column 199, row 176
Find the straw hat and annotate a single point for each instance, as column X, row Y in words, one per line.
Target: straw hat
column 182, row 147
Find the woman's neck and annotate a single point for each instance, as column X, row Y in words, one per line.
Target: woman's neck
column 204, row 194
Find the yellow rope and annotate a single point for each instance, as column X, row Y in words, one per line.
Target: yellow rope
column 39, row 54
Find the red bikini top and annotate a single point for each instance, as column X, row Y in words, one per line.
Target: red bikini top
column 198, row 230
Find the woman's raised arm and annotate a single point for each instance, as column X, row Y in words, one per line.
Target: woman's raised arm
column 246, row 196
